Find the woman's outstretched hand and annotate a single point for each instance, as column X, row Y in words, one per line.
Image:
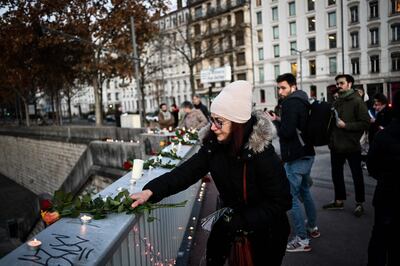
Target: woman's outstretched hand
column 141, row 197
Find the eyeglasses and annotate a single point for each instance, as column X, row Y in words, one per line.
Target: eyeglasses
column 218, row 123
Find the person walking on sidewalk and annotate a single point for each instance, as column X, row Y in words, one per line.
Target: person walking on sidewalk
column 352, row 120
column 298, row 156
column 236, row 149
column 383, row 164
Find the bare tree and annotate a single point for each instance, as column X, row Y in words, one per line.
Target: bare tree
column 195, row 45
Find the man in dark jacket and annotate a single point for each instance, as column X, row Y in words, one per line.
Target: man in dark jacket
column 352, row 120
column 298, row 156
column 383, row 115
column 199, row 105
column 383, row 163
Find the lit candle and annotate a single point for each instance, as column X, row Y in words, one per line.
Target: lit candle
column 137, row 169
column 120, row 189
column 150, row 170
column 179, row 147
column 34, row 244
column 85, row 219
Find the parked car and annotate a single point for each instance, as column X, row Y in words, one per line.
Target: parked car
column 153, row 116
column 110, row 118
column 91, row 118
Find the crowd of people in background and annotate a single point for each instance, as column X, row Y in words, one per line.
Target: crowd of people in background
column 363, row 130
column 193, row 115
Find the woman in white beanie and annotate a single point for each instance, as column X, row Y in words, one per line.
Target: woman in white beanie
column 236, row 149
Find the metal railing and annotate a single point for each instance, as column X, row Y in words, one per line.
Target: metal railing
column 119, row 239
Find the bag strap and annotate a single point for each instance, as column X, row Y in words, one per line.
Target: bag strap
column 244, row 183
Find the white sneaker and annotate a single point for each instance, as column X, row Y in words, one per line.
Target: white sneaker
column 298, row 245
column 314, row 232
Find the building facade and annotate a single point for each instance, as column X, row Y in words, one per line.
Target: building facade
column 305, row 38
column 168, row 71
column 220, row 36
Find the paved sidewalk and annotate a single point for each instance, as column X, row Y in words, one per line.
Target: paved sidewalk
column 344, row 237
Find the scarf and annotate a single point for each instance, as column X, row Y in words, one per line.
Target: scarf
column 166, row 115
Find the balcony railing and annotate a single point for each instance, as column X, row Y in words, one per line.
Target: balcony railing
column 214, row 11
column 119, row 239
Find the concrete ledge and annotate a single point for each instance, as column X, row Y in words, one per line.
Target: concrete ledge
column 74, row 134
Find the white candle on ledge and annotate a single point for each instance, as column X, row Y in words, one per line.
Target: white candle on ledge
column 149, row 171
column 120, row 189
column 137, row 170
column 85, row 219
column 179, row 147
column 34, row 244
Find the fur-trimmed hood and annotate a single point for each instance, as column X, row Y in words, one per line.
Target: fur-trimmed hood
column 260, row 137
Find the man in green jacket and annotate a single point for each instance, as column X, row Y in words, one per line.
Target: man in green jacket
column 351, row 119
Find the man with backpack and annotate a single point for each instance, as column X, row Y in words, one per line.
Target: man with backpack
column 351, row 120
column 298, row 156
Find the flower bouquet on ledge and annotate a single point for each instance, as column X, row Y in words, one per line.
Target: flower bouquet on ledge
column 156, row 162
column 66, row 205
column 185, row 136
column 170, row 154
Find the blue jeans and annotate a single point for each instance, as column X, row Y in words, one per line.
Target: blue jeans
column 298, row 173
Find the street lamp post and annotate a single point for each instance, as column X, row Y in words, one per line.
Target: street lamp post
column 301, row 65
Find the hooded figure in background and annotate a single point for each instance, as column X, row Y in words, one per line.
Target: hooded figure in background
column 383, row 164
column 236, row 149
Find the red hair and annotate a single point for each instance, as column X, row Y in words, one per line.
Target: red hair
column 237, row 135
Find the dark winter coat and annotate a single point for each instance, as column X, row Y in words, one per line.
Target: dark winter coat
column 383, row 164
column 203, row 109
column 294, row 115
column 383, row 119
column 267, row 186
column 353, row 111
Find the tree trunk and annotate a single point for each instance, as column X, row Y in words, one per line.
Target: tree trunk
column 53, row 109
column 17, row 109
column 59, row 111
column 27, row 120
column 69, row 106
column 56, row 110
column 69, row 110
column 143, row 99
column 97, row 102
column 192, row 81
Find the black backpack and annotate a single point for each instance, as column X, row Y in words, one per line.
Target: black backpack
column 317, row 133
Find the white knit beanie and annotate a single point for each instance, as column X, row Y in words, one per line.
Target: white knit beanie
column 234, row 102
